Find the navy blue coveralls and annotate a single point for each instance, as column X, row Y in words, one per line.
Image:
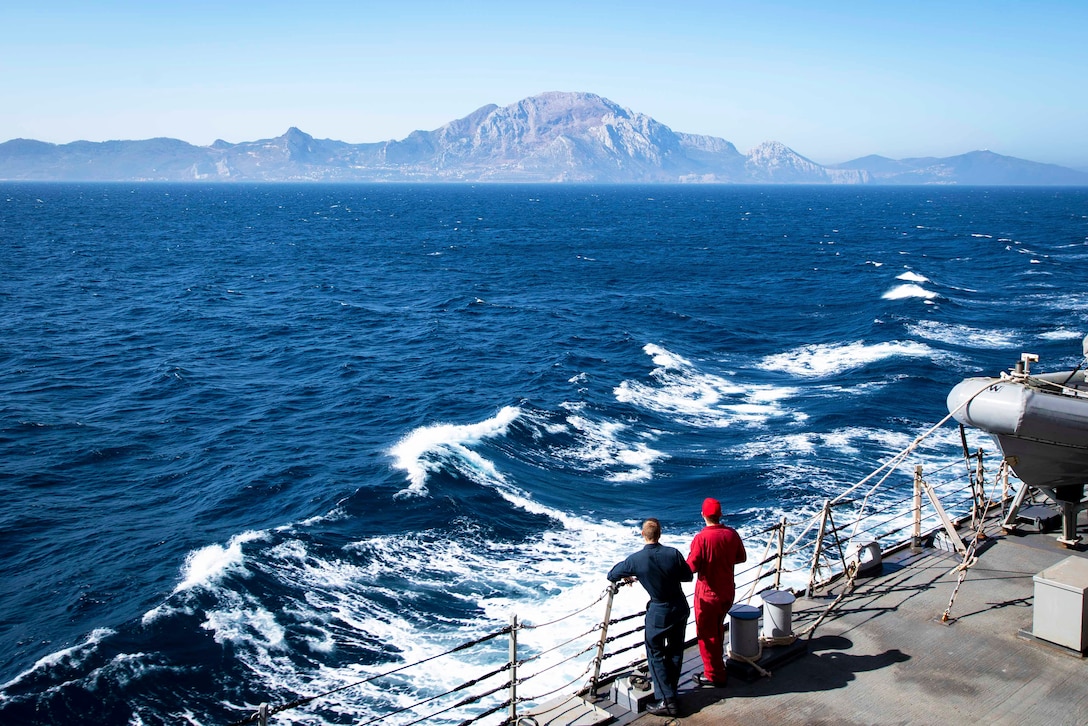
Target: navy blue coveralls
column 661, row 569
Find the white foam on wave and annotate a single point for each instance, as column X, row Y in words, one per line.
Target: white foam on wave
column 371, row 598
column 72, row 656
column 911, row 276
column 909, row 290
column 602, row 448
column 848, row 441
column 208, row 564
column 421, row 451
column 254, row 625
column 954, row 334
column 680, row 390
column 817, row 361
column 1061, row 334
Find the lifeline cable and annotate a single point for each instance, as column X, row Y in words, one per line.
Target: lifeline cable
column 303, row 701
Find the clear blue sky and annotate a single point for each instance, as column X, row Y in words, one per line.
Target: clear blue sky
column 831, row 80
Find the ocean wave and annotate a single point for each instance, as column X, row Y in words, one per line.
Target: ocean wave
column 690, row 396
column 64, row 659
column 386, row 600
column 210, row 563
column 909, row 290
column 911, row 276
column 848, row 441
column 820, row 361
column 601, row 447
column 1062, row 334
column 417, row 452
column 965, row 335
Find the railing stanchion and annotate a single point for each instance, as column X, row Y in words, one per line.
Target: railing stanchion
column 818, row 549
column 514, row 668
column 781, row 553
column 916, row 537
column 612, row 589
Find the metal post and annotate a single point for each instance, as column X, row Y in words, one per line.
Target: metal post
column 916, row 538
column 612, row 589
column 819, row 548
column 262, row 715
column 781, row 553
column 514, row 668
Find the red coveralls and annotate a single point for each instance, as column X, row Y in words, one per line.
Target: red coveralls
column 714, row 551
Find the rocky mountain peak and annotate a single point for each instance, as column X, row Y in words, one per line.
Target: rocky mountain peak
column 553, row 136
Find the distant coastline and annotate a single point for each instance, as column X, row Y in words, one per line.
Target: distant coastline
column 550, row 138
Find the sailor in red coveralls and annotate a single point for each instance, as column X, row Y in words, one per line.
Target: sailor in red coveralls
column 714, row 551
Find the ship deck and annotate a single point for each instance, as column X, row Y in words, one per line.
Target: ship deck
column 883, row 656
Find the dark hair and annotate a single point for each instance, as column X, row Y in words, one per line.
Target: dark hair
column 651, row 529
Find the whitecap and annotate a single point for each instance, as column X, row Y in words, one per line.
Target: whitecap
column 955, row 334
column 601, row 447
column 411, row 454
column 911, row 276
column 253, row 626
column 1061, row 334
column 909, row 290
column 680, row 390
column 207, row 564
column 817, row 361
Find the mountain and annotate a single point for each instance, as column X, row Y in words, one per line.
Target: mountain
column 975, row 167
column 552, row 137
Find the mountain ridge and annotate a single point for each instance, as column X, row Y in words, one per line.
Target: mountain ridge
column 551, row 137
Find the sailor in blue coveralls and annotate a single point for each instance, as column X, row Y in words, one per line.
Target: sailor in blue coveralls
column 660, row 569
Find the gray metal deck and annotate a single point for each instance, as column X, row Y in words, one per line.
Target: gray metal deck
column 884, row 657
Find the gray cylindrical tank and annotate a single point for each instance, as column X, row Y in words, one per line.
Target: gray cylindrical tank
column 777, row 613
column 744, row 630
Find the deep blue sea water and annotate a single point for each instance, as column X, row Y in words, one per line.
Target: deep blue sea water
column 257, row 441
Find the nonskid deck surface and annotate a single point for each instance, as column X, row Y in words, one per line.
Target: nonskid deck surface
column 883, row 656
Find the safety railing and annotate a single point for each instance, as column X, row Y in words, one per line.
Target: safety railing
column 598, row 651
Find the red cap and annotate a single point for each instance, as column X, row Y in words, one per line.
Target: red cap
column 712, row 507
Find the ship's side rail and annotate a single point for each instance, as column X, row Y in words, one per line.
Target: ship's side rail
column 530, row 663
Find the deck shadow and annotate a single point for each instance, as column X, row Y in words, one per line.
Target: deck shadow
column 826, row 666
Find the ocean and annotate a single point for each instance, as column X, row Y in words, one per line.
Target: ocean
column 260, row 442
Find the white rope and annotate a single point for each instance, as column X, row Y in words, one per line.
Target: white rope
column 750, row 661
column 969, row 557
